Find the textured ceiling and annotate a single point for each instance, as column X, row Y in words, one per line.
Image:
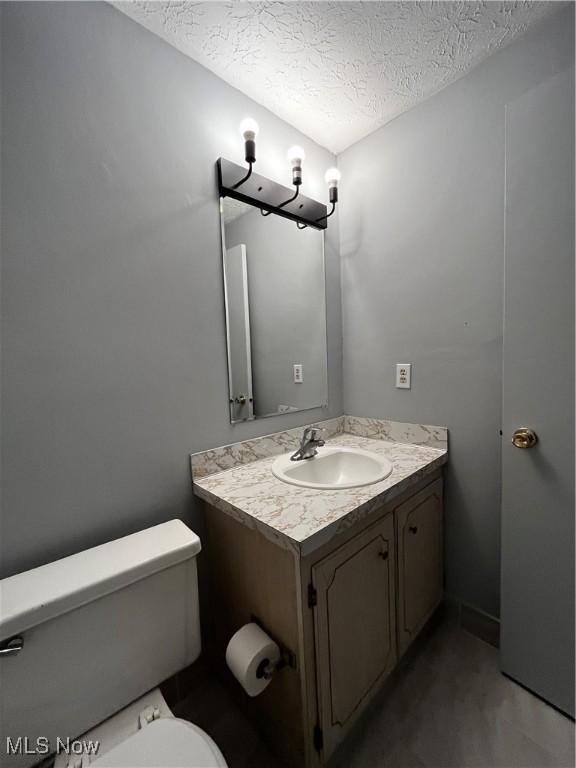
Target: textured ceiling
column 338, row 70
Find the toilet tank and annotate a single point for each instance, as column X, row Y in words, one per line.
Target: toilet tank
column 99, row 629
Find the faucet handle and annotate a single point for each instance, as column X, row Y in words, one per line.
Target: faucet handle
column 308, row 443
column 315, row 436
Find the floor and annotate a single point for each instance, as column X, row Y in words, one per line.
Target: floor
column 449, row 708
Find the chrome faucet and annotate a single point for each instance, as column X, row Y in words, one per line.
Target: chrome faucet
column 308, row 444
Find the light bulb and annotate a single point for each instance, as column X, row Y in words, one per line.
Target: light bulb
column 296, row 156
column 332, row 177
column 249, row 129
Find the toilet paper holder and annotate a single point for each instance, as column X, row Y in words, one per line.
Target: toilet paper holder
column 266, row 669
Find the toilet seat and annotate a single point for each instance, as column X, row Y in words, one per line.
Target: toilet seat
column 165, row 743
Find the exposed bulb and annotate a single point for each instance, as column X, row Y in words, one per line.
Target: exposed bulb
column 332, row 177
column 296, row 156
column 249, row 129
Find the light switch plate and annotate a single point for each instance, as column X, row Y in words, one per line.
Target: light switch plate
column 403, row 375
column 298, row 373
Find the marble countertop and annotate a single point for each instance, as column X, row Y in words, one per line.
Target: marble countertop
column 302, row 519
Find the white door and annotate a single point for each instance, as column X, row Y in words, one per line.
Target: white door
column 537, row 612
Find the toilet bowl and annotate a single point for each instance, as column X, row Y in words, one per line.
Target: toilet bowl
column 85, row 642
column 166, row 743
column 147, row 735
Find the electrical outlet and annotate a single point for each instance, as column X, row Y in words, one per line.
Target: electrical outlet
column 298, row 373
column 403, row 375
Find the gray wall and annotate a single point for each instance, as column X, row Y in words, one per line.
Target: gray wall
column 422, row 232
column 114, row 356
column 287, row 309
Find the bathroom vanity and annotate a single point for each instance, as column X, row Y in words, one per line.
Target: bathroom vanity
column 343, row 580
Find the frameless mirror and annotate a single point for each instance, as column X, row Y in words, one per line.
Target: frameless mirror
column 275, row 299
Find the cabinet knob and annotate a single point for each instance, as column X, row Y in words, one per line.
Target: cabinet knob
column 413, row 529
column 383, row 555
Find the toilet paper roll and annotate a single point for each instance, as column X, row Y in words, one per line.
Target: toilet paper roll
column 249, row 652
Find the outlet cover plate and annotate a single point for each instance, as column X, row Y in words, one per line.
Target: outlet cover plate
column 403, row 375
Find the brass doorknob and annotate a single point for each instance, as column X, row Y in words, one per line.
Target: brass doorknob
column 241, row 399
column 524, row 438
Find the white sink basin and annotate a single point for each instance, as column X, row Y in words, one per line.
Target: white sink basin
column 333, row 468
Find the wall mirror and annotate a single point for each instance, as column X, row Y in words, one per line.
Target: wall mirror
column 275, row 299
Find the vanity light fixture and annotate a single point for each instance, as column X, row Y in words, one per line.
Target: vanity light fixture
column 265, row 194
column 249, row 130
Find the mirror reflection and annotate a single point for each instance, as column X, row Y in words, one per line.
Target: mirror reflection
column 275, row 313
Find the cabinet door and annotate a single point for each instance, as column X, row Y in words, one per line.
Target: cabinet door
column 419, row 546
column 354, row 626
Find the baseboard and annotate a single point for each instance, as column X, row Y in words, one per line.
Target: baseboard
column 473, row 620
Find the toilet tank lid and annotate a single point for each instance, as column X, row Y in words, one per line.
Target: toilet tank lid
column 33, row 597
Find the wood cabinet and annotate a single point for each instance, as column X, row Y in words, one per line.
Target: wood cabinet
column 355, row 626
column 343, row 614
column 420, row 577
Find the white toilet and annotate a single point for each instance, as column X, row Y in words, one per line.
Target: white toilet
column 83, row 643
